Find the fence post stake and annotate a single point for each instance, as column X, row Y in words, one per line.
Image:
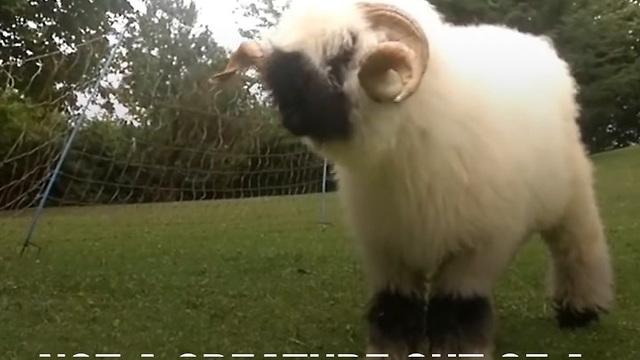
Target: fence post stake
column 67, row 146
column 323, row 214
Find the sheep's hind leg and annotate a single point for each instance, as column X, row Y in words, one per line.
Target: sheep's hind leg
column 582, row 276
column 396, row 313
column 460, row 316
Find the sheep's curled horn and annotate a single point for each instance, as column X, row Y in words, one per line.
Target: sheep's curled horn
column 406, row 51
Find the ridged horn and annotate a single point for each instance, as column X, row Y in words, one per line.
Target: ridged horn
column 406, row 51
column 249, row 54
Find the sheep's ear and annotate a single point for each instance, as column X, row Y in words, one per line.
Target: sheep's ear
column 248, row 54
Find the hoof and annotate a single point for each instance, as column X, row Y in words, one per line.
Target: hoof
column 571, row 318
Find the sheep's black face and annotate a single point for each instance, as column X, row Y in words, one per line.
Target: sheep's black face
column 311, row 103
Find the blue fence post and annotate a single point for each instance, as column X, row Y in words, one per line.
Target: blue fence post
column 69, row 142
column 323, row 211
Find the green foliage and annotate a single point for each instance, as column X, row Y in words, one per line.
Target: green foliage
column 602, row 41
column 30, row 140
column 50, row 31
column 265, row 14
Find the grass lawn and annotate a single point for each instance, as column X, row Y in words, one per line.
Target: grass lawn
column 262, row 276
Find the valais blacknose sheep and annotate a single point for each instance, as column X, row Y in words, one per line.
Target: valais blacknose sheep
column 451, row 145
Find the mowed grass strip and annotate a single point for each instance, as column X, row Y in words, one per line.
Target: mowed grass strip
column 262, row 276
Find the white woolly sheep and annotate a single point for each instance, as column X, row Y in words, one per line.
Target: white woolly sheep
column 452, row 145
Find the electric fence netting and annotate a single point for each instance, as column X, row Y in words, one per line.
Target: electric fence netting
column 134, row 134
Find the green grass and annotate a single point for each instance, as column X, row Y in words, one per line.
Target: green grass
column 261, row 276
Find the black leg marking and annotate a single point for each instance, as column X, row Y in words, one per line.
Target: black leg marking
column 396, row 319
column 459, row 324
column 571, row 318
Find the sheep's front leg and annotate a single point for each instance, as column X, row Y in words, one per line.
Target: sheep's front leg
column 397, row 310
column 460, row 317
